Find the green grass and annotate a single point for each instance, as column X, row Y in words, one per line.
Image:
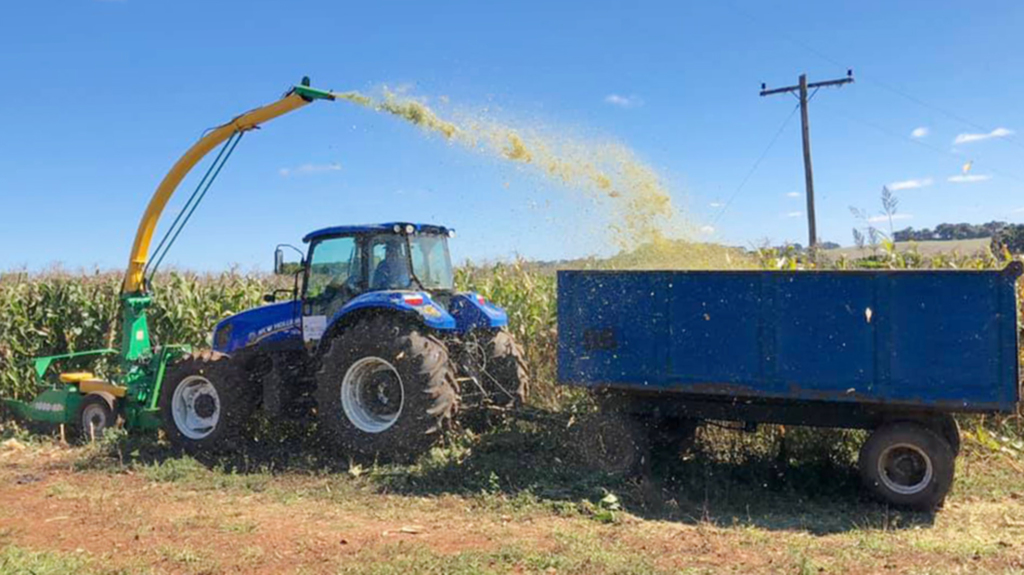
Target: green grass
column 733, row 494
column 573, row 552
column 17, row 561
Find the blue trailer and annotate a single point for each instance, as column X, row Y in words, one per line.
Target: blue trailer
column 896, row 352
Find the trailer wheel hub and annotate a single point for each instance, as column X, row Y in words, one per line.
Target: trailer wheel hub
column 905, row 469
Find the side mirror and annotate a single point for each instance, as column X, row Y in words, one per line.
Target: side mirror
column 278, row 261
column 282, row 267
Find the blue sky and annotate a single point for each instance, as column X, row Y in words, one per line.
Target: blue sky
column 99, row 97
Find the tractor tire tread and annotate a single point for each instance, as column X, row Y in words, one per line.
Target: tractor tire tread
column 236, row 395
column 430, row 389
column 508, row 364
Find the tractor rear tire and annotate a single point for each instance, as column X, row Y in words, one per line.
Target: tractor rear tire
column 385, row 389
column 506, row 375
column 206, row 401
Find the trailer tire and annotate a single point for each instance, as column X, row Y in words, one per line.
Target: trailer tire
column 671, row 436
column 506, row 370
column 908, row 465
column 615, row 443
column 206, row 400
column 95, row 415
column 950, row 430
column 370, row 367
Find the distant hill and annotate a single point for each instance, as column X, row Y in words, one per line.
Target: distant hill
column 967, row 247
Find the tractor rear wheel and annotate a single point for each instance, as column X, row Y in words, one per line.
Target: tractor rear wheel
column 206, row 400
column 385, row 388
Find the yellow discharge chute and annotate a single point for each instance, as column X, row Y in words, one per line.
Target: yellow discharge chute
column 297, row 97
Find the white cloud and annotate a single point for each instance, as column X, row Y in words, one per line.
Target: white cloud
column 716, row 204
column 307, row 169
column 919, row 132
column 968, row 178
column 968, row 138
column 707, row 229
column 794, row 214
column 793, row 195
column 1018, row 211
column 885, row 218
column 632, row 101
column 910, row 184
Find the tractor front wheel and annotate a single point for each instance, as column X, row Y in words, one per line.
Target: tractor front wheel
column 385, row 388
column 205, row 403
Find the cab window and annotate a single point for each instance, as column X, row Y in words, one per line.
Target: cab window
column 389, row 263
column 335, row 275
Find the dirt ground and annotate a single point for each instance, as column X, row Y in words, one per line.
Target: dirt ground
column 69, row 509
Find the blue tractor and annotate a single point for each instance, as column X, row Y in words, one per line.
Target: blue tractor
column 373, row 338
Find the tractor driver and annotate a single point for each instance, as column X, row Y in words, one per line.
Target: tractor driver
column 393, row 270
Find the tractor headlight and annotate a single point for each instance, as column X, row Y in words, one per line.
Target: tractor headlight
column 409, row 229
column 451, row 233
column 398, row 229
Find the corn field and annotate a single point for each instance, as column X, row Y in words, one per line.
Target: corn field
column 54, row 313
column 60, row 313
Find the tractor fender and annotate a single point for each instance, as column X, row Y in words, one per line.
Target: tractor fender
column 410, row 306
column 472, row 311
column 417, row 303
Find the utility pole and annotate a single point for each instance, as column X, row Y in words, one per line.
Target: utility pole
column 801, row 88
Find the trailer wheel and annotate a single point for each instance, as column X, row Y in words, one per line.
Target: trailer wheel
column 671, row 436
column 950, row 430
column 205, row 402
column 908, row 465
column 612, row 442
column 385, row 389
column 95, row 415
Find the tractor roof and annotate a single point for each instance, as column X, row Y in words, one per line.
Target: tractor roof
column 386, row 228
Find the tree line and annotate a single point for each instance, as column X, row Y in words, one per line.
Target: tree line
column 943, row 232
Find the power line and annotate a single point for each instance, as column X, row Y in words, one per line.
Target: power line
column 941, row 151
column 753, row 168
column 885, row 86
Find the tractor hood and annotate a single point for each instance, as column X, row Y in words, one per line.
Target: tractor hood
column 269, row 323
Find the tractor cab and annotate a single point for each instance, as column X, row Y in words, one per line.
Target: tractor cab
column 346, row 262
column 349, row 273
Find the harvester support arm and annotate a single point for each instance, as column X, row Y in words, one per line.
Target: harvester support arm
column 297, row 97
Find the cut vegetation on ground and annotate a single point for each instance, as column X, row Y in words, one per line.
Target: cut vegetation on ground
column 509, row 501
